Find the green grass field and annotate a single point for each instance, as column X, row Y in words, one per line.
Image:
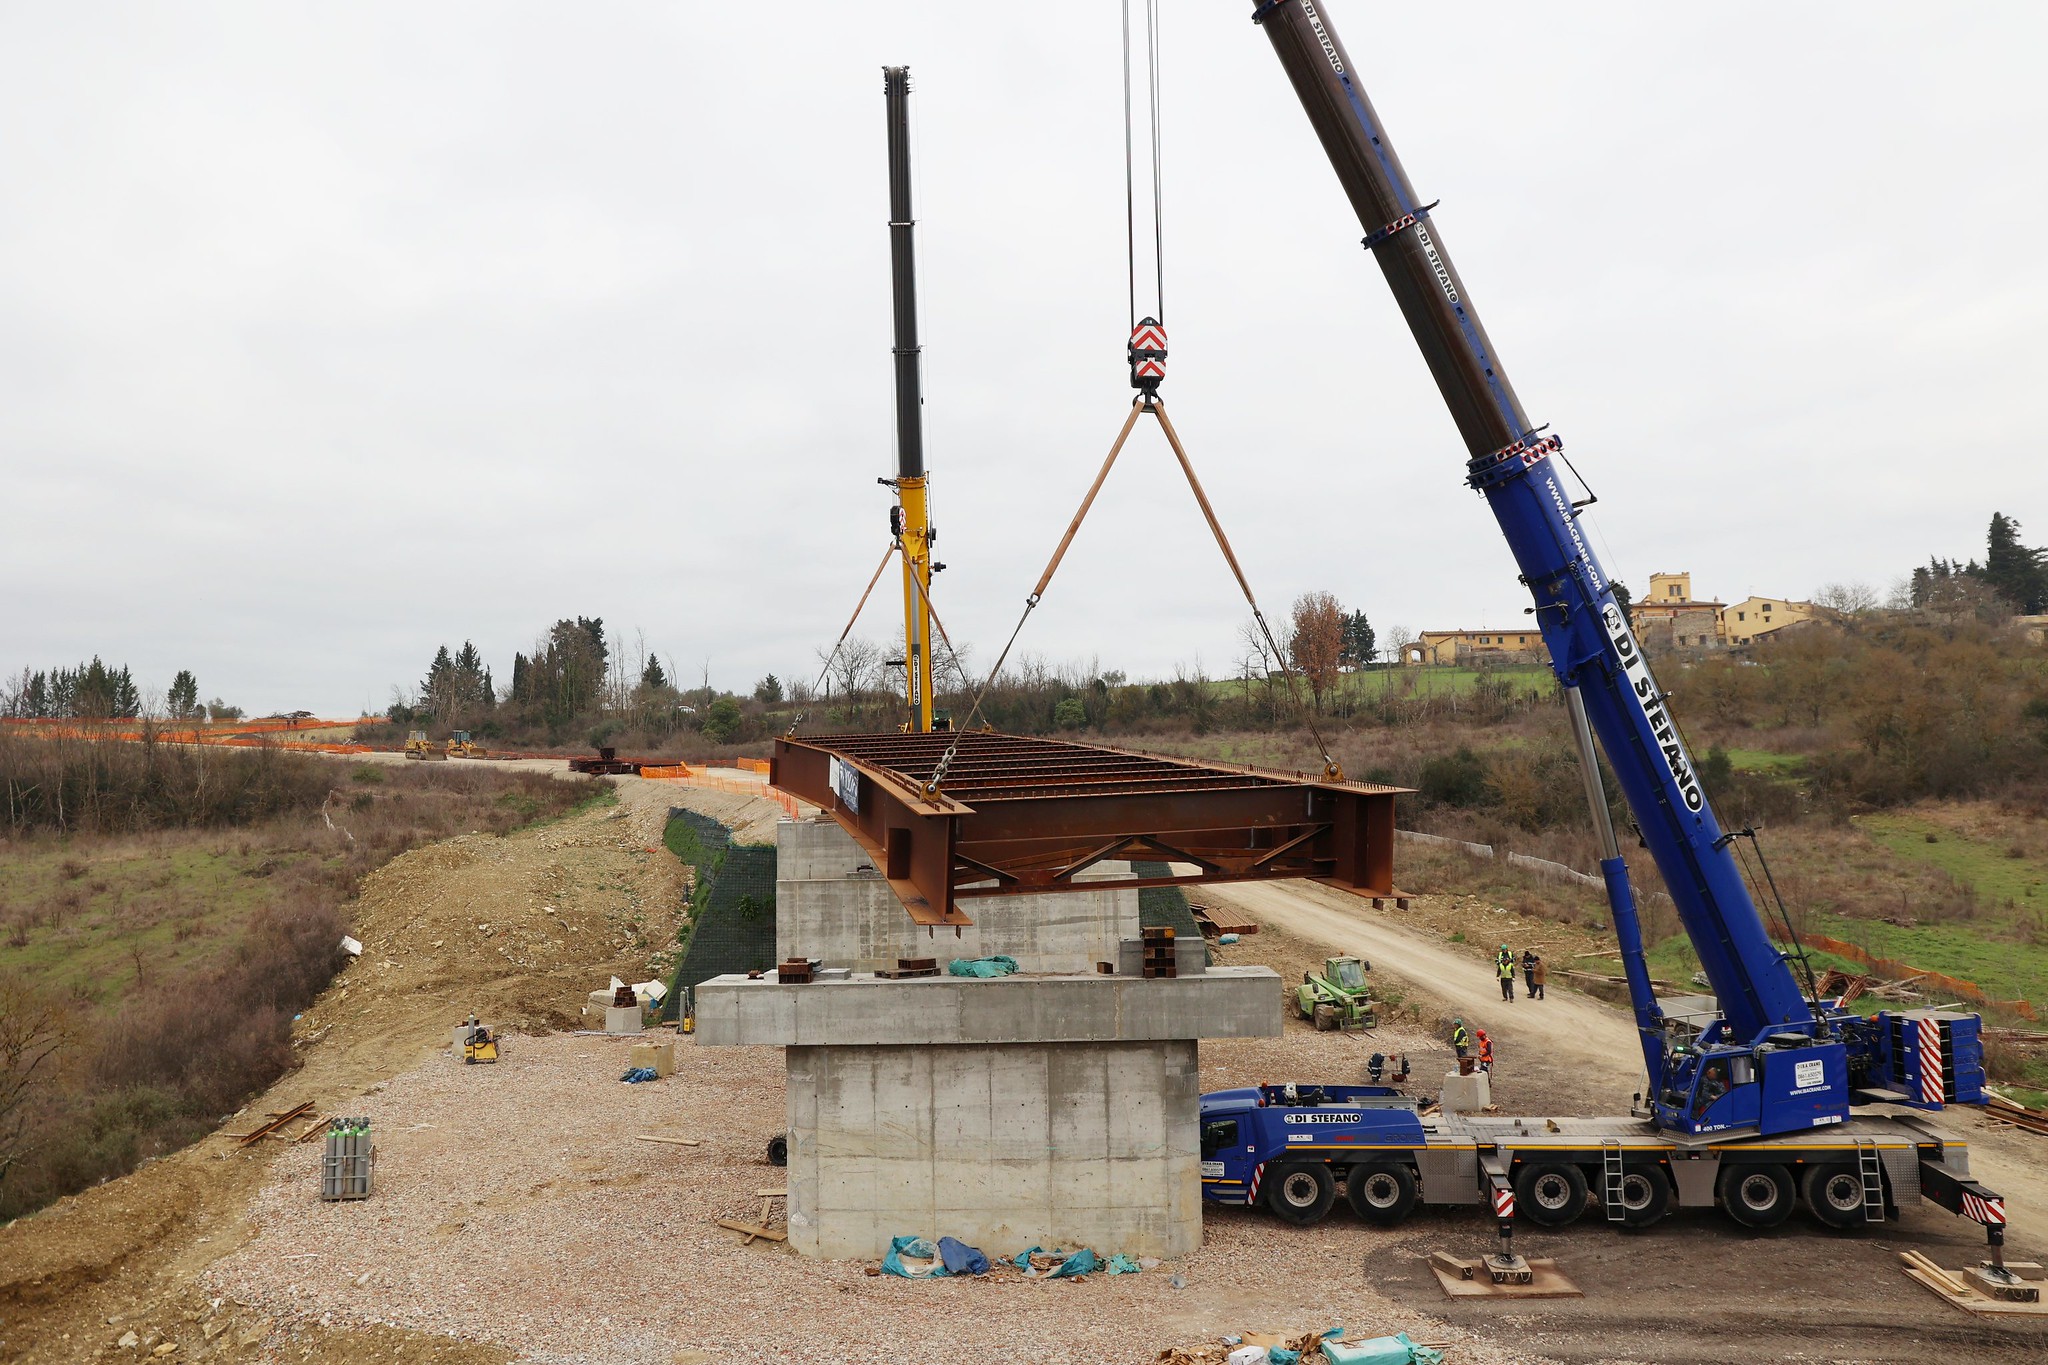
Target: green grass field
column 88, row 917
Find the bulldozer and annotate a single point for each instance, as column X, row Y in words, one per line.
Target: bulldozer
column 460, row 745
column 417, row 745
column 1338, row 999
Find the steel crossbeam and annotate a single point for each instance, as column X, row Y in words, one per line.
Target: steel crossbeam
column 1018, row 816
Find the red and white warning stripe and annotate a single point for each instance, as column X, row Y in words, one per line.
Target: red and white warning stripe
column 1931, row 1091
column 1257, row 1171
column 1150, row 369
column 1148, row 336
column 1504, row 1203
column 1986, row 1211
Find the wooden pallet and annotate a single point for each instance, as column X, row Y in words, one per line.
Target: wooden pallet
column 1467, row 1279
column 1959, row 1291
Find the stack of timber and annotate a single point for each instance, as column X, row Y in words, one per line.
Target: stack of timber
column 1999, row 1109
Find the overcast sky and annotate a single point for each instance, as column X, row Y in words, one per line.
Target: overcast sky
column 329, row 334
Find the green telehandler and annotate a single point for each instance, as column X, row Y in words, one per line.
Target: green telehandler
column 1338, row 999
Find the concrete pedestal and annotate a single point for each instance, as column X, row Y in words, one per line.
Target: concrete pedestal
column 1057, row 1107
column 1466, row 1094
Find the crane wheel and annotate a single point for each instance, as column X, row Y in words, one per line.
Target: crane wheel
column 1834, row 1193
column 1551, row 1195
column 778, row 1150
column 1757, row 1196
column 1382, row 1193
column 1645, row 1196
column 1300, row 1192
column 1326, row 1018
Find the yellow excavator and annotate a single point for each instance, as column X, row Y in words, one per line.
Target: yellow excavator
column 460, row 745
column 417, row 745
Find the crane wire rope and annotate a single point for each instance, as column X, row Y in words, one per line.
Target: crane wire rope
column 1153, row 103
column 833, row 653
column 1147, row 402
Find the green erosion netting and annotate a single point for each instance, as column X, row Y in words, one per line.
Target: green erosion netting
column 732, row 904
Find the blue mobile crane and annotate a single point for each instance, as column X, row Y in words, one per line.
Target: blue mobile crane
column 1750, row 1097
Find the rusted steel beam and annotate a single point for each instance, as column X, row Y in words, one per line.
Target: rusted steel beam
column 1019, row 816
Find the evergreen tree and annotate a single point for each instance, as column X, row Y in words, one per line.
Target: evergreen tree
column 2012, row 570
column 653, row 677
column 183, row 697
column 1360, row 644
column 768, row 690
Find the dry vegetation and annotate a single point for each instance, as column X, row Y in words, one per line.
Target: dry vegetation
column 166, row 911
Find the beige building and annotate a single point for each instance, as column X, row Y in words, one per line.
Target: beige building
column 1754, row 617
column 1470, row 647
column 1667, row 616
column 2033, row 628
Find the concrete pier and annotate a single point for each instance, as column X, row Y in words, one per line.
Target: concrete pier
column 1057, row 1107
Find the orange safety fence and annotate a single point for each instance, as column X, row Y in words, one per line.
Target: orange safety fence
column 789, row 804
column 752, row 765
column 667, row 772
column 1884, row 966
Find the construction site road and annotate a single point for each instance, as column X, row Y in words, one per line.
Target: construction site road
column 1693, row 1289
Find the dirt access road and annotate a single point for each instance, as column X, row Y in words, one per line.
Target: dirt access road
column 1693, row 1289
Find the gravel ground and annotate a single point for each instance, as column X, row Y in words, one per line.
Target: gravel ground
column 514, row 1207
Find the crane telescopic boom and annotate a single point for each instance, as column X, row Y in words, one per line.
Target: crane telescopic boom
column 1776, row 1061
column 910, row 518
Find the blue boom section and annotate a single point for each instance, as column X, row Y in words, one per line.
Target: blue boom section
column 1593, row 649
column 1591, row 645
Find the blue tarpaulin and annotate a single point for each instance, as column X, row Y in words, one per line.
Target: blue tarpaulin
column 1393, row 1350
column 639, row 1074
column 1077, row 1263
column 917, row 1249
column 960, row 1258
column 982, row 966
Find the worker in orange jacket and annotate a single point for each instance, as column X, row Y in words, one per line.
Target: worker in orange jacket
column 1485, row 1051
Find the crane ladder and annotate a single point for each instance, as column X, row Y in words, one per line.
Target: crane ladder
column 1610, row 1179
column 1871, row 1170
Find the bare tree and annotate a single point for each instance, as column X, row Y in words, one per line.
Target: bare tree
column 1847, row 599
column 854, row 667
column 31, row 1032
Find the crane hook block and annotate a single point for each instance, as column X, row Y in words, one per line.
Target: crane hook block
column 1148, row 356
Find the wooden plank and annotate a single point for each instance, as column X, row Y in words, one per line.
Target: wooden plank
column 752, row 1232
column 673, row 1142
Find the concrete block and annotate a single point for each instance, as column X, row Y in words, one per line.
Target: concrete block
column 1466, row 1094
column 622, row 1019
column 830, row 904
column 660, row 1056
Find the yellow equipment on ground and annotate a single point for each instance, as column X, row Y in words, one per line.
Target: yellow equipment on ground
column 460, row 745
column 417, row 745
column 479, row 1045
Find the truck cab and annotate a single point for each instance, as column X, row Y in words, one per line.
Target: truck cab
column 1289, row 1146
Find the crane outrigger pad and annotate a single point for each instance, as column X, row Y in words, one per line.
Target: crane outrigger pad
column 1020, row 816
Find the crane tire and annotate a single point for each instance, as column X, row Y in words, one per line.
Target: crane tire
column 1834, row 1194
column 1550, row 1195
column 1645, row 1195
column 1382, row 1193
column 1300, row 1192
column 1757, row 1196
column 778, row 1150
